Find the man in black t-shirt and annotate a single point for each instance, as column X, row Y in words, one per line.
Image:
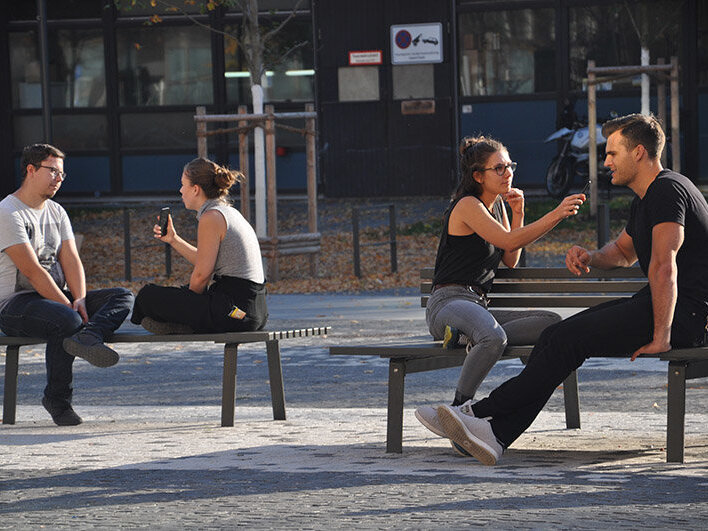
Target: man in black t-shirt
column 667, row 232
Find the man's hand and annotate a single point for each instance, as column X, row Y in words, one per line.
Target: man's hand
column 655, row 347
column 577, row 260
column 80, row 306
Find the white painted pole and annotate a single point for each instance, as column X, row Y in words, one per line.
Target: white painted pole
column 259, row 164
column 645, row 82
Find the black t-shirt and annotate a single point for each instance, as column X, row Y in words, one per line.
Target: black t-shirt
column 467, row 260
column 672, row 197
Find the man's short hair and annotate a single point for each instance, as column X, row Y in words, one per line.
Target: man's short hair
column 638, row 129
column 34, row 154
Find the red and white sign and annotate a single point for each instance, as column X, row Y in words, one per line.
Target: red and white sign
column 416, row 43
column 366, row 57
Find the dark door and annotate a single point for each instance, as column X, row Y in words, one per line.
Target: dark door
column 385, row 130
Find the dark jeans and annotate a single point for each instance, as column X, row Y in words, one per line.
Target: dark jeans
column 205, row 312
column 31, row 315
column 615, row 328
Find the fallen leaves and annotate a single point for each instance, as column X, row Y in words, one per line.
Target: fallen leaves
column 103, row 249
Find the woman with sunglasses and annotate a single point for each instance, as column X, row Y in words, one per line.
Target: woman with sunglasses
column 478, row 234
column 226, row 291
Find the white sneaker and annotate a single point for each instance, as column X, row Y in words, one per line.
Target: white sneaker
column 473, row 434
column 428, row 417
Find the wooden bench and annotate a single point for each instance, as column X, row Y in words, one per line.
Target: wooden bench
column 535, row 288
column 231, row 341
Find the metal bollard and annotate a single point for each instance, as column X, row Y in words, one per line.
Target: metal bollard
column 603, row 224
column 392, row 237
column 355, row 234
column 126, row 243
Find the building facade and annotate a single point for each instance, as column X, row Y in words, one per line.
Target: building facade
column 396, row 85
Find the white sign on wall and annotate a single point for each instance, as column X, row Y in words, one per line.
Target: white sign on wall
column 416, row 43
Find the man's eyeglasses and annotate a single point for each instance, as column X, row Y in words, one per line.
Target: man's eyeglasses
column 501, row 168
column 55, row 172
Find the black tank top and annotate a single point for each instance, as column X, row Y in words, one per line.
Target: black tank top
column 467, row 260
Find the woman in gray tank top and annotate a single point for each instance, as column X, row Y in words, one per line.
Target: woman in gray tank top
column 477, row 235
column 226, row 290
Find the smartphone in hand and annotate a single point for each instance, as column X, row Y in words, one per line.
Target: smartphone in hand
column 586, row 189
column 164, row 216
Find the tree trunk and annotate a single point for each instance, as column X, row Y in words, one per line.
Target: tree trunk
column 253, row 49
column 645, row 82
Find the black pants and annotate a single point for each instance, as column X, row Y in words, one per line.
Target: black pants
column 206, row 312
column 615, row 328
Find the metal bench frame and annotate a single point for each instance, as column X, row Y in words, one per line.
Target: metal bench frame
column 231, row 341
column 536, row 288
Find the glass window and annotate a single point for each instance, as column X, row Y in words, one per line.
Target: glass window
column 70, row 132
column 158, row 130
column 74, row 9
column 507, row 52
column 76, row 69
column 289, row 76
column 703, row 44
column 610, row 35
column 80, row 131
column 27, row 130
column 21, row 10
column 161, row 65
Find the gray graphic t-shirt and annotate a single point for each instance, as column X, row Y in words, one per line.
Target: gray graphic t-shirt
column 43, row 229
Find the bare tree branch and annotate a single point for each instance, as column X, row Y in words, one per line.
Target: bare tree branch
column 272, row 33
column 195, row 21
column 634, row 24
column 287, row 52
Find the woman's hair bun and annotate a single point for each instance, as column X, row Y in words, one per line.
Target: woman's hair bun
column 215, row 180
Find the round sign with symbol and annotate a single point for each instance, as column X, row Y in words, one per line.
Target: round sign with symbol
column 403, row 39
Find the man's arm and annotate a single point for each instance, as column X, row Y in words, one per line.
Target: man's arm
column 26, row 261
column 75, row 276
column 618, row 253
column 667, row 239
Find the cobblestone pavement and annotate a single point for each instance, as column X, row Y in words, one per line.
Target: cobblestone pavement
column 151, row 453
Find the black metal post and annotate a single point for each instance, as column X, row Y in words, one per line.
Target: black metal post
column 126, row 243
column 603, row 224
column 44, row 61
column 168, row 260
column 392, row 236
column 355, row 241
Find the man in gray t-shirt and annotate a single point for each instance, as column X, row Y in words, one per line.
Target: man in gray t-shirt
column 42, row 282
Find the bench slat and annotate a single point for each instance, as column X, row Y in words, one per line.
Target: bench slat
column 545, row 301
column 562, row 286
column 552, row 273
column 143, row 336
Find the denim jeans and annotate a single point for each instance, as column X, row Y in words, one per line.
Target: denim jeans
column 615, row 328
column 489, row 331
column 31, row 315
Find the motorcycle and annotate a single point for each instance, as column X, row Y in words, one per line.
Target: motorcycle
column 573, row 159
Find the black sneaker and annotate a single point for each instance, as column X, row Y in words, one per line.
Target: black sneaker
column 89, row 346
column 61, row 417
column 165, row 329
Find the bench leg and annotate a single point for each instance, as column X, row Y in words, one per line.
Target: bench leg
column 676, row 412
column 228, row 391
column 275, row 373
column 571, row 401
column 9, row 404
column 394, row 426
